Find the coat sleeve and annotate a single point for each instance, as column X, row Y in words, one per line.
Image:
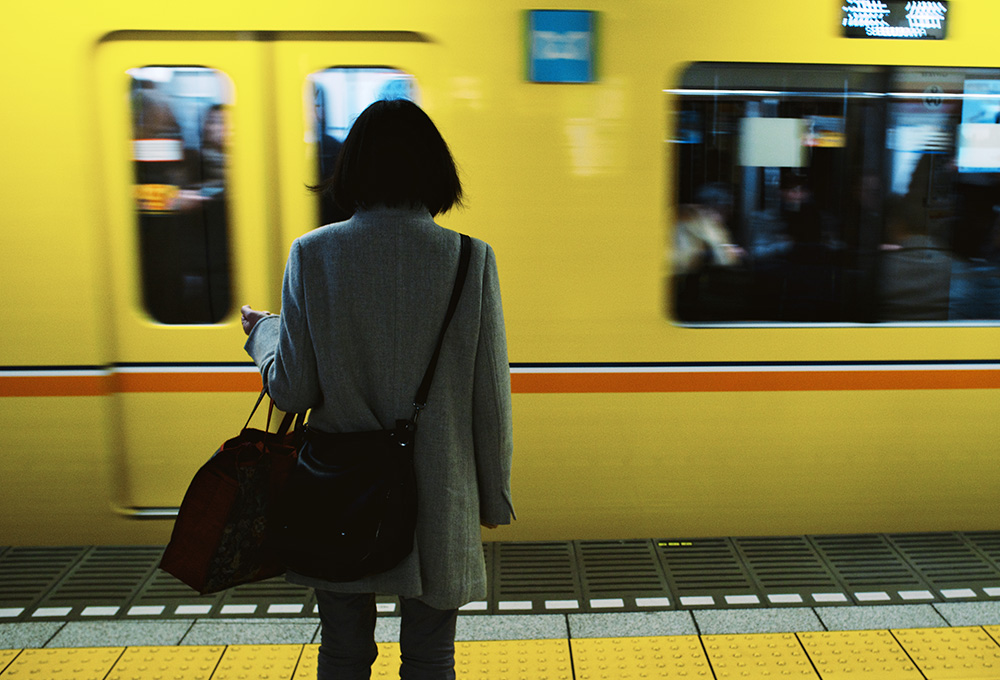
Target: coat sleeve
column 492, row 419
column 282, row 348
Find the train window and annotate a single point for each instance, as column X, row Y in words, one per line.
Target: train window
column 179, row 156
column 836, row 194
column 339, row 95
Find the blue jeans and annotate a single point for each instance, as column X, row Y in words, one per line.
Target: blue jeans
column 347, row 649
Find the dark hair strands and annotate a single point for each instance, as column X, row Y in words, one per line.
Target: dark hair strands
column 395, row 156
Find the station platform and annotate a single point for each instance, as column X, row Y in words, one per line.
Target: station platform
column 872, row 606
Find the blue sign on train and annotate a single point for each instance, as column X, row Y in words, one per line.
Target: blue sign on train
column 562, row 46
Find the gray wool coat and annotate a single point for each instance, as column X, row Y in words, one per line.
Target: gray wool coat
column 362, row 304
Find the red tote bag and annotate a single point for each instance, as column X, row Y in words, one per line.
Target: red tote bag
column 222, row 535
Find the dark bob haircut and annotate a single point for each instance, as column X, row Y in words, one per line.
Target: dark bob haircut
column 394, row 156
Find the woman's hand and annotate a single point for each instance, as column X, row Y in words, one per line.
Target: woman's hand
column 487, row 525
column 251, row 317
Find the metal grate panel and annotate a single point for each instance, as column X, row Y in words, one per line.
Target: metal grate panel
column 946, row 560
column 786, row 565
column 868, row 562
column 275, row 597
column 704, row 568
column 164, row 591
column 539, row 573
column 488, row 556
column 28, row 574
column 559, row 577
column 103, row 579
column 988, row 545
column 611, row 567
column 620, row 569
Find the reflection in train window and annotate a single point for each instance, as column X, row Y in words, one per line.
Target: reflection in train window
column 339, row 95
column 179, row 153
column 836, row 194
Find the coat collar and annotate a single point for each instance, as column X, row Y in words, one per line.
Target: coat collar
column 391, row 214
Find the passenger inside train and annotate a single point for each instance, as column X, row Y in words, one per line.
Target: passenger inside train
column 838, row 175
column 179, row 152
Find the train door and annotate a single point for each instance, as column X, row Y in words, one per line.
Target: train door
column 210, row 145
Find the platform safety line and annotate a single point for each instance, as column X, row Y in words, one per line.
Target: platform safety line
column 597, row 379
column 548, row 658
column 536, row 654
column 275, row 661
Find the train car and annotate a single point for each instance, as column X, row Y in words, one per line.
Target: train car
column 748, row 250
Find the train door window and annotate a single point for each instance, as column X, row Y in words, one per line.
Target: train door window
column 339, row 95
column 836, row 194
column 179, row 133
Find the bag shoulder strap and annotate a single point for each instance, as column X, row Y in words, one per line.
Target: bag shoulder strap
column 420, row 401
column 286, row 422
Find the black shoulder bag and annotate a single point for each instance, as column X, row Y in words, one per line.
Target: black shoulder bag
column 350, row 504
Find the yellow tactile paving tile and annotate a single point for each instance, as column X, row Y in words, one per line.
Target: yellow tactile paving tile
column 167, row 663
column 260, row 662
column 6, row 656
column 385, row 666
column 387, row 663
column 680, row 656
column 994, row 632
column 521, row 659
column 306, row 670
column 81, row 663
column 843, row 655
column 759, row 655
column 966, row 653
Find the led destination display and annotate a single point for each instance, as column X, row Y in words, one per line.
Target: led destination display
column 895, row 19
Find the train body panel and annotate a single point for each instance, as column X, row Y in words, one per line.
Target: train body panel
column 629, row 421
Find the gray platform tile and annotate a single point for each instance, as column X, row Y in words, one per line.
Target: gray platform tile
column 473, row 628
column 970, row 613
column 386, row 629
column 637, row 624
column 120, row 633
column 28, row 635
column 511, row 627
column 743, row 621
column 880, row 617
column 251, row 632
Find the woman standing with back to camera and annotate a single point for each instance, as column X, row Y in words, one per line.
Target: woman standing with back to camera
column 362, row 304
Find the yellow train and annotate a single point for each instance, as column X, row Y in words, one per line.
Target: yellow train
column 719, row 322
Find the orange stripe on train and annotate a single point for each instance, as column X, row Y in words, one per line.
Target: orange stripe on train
column 55, row 386
column 104, row 385
column 187, row 382
column 753, row 381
